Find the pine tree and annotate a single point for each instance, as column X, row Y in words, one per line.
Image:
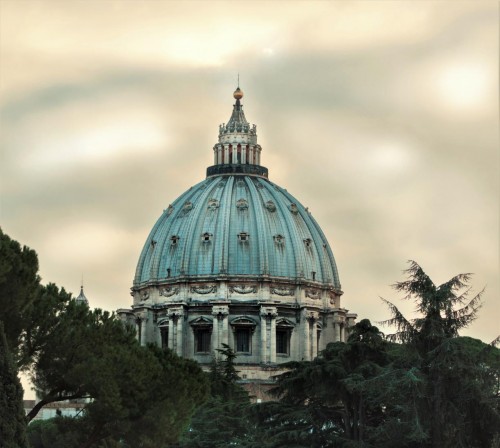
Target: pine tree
column 12, row 419
column 458, row 389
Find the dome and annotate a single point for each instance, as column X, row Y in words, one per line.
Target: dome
column 236, row 226
column 237, row 261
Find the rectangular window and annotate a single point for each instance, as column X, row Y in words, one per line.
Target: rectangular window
column 202, row 342
column 243, row 339
column 282, row 342
column 164, row 336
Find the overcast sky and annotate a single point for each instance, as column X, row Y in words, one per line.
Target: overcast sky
column 380, row 116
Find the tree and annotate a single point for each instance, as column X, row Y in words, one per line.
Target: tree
column 12, row 421
column 135, row 394
column 327, row 402
column 456, row 384
column 18, row 285
column 224, row 419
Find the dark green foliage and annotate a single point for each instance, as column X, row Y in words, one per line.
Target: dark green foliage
column 224, row 418
column 139, row 394
column 136, row 396
column 455, row 399
column 12, row 420
column 18, row 285
column 58, row 432
column 327, row 402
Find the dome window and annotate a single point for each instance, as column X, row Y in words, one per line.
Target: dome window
column 270, row 206
column 206, row 237
column 279, row 239
column 188, row 206
column 243, row 237
column 307, row 242
column 174, row 240
column 242, row 204
column 213, row 204
column 294, row 209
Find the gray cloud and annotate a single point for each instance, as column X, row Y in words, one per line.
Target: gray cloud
column 353, row 126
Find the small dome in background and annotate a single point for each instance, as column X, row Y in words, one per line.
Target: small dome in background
column 81, row 298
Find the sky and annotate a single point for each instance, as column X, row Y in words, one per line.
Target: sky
column 380, row 116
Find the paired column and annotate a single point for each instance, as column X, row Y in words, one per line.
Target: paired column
column 176, row 330
column 142, row 320
column 337, row 323
column 220, row 329
column 268, row 316
column 310, row 334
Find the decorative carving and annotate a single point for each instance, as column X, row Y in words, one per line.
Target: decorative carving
column 283, row 291
column 312, row 315
column 331, row 295
column 240, row 183
column 242, row 204
column 220, row 310
column 175, row 312
column 313, row 294
column 213, row 204
column 293, row 208
column 206, row 289
column 268, row 311
column 243, row 289
column 270, row 206
column 170, row 209
column 169, row 291
column 221, row 184
column 145, row 296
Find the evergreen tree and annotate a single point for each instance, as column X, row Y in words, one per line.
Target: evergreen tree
column 326, row 402
column 224, row 419
column 456, row 386
column 19, row 282
column 12, row 419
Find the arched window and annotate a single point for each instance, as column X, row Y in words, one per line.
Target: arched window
column 163, row 329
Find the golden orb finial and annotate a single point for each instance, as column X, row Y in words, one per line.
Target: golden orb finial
column 238, row 94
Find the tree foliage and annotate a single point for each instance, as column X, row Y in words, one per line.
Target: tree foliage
column 12, row 421
column 457, row 386
column 224, row 419
column 19, row 282
column 140, row 396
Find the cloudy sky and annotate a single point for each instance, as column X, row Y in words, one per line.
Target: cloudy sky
column 380, row 116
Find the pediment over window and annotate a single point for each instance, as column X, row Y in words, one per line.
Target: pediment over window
column 201, row 321
column 284, row 323
column 243, row 321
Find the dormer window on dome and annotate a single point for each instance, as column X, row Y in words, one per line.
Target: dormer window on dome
column 206, row 237
column 279, row 239
column 243, row 237
column 307, row 242
column 174, row 240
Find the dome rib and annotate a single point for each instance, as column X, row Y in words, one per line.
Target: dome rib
column 225, row 255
